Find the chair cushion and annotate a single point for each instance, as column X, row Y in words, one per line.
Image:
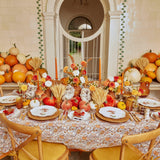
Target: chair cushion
column 51, row 151
column 113, row 153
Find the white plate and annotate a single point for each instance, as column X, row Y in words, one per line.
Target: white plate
column 15, row 114
column 8, row 99
column 149, row 102
column 43, row 111
column 85, row 117
column 112, row 112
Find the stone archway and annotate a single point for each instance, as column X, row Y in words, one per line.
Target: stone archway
column 111, row 32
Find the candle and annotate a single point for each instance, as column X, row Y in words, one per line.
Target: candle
column 122, row 82
column 99, row 69
column 38, row 79
column 56, row 72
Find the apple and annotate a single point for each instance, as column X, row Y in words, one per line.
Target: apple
column 51, row 101
column 84, row 105
column 66, row 104
column 75, row 101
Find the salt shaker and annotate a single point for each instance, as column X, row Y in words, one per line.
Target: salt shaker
column 147, row 111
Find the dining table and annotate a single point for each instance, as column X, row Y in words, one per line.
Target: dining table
column 83, row 135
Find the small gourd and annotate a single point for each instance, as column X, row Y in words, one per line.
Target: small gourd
column 21, row 58
column 4, row 54
column 34, row 103
column 158, row 74
column 14, row 50
column 5, row 67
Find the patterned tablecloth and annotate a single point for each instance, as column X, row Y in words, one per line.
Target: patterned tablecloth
column 85, row 135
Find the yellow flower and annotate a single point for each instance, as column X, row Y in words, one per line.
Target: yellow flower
column 74, row 108
column 134, row 92
column 127, row 83
column 92, row 88
column 23, row 87
column 119, row 81
column 42, row 79
column 65, row 69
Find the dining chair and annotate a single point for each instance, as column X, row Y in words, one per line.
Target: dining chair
column 127, row 150
column 32, row 149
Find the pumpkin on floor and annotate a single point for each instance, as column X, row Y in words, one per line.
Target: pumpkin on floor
column 18, row 77
column 20, row 68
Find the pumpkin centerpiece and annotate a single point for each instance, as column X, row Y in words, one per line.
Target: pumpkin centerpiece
column 14, row 50
column 18, row 77
column 20, row 68
column 11, row 60
column 152, row 57
column 8, row 76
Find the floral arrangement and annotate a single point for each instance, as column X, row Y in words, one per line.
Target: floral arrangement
column 76, row 73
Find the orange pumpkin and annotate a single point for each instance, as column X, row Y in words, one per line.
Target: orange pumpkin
column 151, row 74
column 2, row 79
column 8, row 76
column 28, row 66
column 20, row 68
column 151, row 67
column 146, row 79
column 42, row 70
column 29, row 78
column 18, row 77
column 11, row 60
column 152, row 57
column 1, row 61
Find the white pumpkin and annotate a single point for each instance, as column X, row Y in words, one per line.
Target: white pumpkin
column 21, row 58
column 158, row 74
column 133, row 75
column 34, row 103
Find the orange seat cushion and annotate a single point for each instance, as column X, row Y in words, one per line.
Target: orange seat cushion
column 51, row 151
column 113, row 153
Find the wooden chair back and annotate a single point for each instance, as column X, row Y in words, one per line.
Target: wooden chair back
column 130, row 140
column 33, row 132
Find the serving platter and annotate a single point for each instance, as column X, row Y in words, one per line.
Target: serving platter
column 43, row 112
column 149, row 103
column 8, row 100
column 112, row 114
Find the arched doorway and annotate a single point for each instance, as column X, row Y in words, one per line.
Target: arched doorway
column 107, row 33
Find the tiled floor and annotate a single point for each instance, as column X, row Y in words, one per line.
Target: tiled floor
column 73, row 156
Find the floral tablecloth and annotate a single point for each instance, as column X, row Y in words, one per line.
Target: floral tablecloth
column 84, row 135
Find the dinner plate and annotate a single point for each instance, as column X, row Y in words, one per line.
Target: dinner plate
column 86, row 116
column 8, row 100
column 113, row 119
column 151, row 103
column 112, row 112
column 43, row 111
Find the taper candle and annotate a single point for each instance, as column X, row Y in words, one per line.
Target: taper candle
column 99, row 69
column 56, row 71
column 122, row 83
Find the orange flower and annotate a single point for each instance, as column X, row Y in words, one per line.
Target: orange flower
column 76, row 80
column 83, row 72
column 65, row 69
column 73, row 65
column 92, row 88
column 106, row 83
column 84, row 63
column 127, row 83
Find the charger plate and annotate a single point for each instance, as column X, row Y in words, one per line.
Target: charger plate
column 55, row 115
column 120, row 120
